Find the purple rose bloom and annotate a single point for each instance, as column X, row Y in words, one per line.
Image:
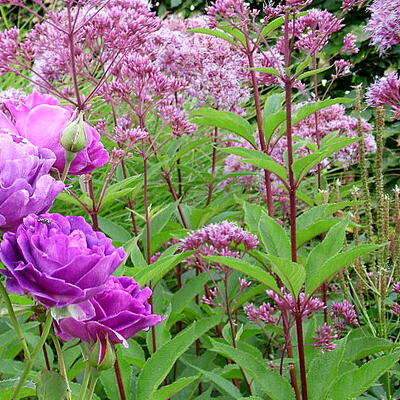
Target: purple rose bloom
column 121, row 310
column 41, row 119
column 25, row 184
column 59, row 260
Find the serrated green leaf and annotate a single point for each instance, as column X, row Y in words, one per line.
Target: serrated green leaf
column 251, row 270
column 166, row 392
column 328, row 248
column 51, row 386
column 270, row 382
column 225, row 120
column 274, row 237
column 334, row 264
column 356, row 382
column 161, row 362
column 359, row 348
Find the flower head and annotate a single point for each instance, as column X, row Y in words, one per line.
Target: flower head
column 343, row 315
column 58, row 260
column 386, row 92
column 121, row 311
column 323, row 340
column 25, row 184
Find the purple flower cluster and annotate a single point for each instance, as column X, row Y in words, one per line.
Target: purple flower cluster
column 224, row 239
column 343, row 315
column 386, row 92
column 383, row 26
column 264, row 313
column 323, row 340
column 25, row 184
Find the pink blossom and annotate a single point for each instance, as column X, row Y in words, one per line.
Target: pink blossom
column 396, row 287
column 264, row 313
column 386, row 92
column 343, row 315
column 349, row 44
column 383, row 26
column 323, row 340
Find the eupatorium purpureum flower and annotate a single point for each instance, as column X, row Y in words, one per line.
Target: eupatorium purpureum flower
column 41, row 119
column 59, row 260
column 383, row 26
column 121, row 311
column 386, row 92
column 25, row 183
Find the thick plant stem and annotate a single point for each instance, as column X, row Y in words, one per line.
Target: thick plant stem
column 302, row 359
column 94, row 213
column 120, row 381
column 29, row 363
column 292, row 199
column 14, row 321
column 261, row 133
column 61, row 364
column 92, row 386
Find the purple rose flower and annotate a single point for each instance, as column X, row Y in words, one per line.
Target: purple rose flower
column 25, row 184
column 121, row 311
column 59, row 260
column 41, row 119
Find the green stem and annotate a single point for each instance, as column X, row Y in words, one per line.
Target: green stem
column 14, row 321
column 4, row 17
column 66, row 170
column 85, row 382
column 61, row 364
column 29, row 363
column 95, row 376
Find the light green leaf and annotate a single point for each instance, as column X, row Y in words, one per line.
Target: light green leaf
column 251, row 270
column 267, row 70
column 355, row 383
column 274, row 237
column 113, row 230
column 313, row 72
column 328, row 248
column 329, row 268
column 270, row 382
column 166, row 392
column 51, row 386
column 291, row 273
column 225, row 120
column 161, row 362
column 359, row 348
column 213, row 32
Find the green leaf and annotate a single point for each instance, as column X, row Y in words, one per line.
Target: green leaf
column 51, row 386
column 259, row 159
column 157, row 270
column 186, row 294
column 225, row 120
column 313, row 72
column 329, row 268
column 291, row 273
column 252, row 215
column 212, row 32
column 270, row 382
column 274, row 237
column 220, row 382
column 356, row 382
column 277, row 22
column 267, row 70
column 166, row 392
column 328, row 248
column 251, row 270
column 7, row 387
column 113, row 230
column 323, row 372
column 161, row 362
column 121, row 189
column 359, row 348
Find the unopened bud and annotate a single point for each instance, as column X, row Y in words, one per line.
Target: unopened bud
column 73, row 138
column 102, row 355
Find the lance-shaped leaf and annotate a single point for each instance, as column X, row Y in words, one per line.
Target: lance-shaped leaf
column 226, row 120
column 328, row 248
column 270, row 382
column 259, row 159
column 161, row 362
column 327, row 270
column 291, row 273
column 214, row 32
column 251, row 270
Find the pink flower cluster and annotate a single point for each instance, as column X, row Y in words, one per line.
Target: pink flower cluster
column 343, row 315
column 224, row 239
column 323, row 340
column 383, row 26
column 386, row 92
column 264, row 313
